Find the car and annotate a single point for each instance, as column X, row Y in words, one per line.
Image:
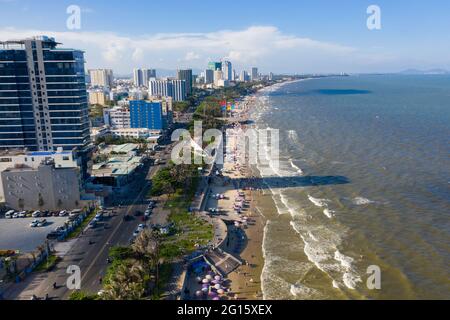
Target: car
column 15, row 215
column 34, row 223
column 55, row 213
column 59, row 229
column 42, row 223
column 141, row 227
column 99, row 216
column 53, row 235
column 9, row 214
column 147, row 213
column 136, row 233
column 36, row 214
column 63, row 213
column 92, row 224
column 22, row 214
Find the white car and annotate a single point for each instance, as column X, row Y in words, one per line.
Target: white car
column 36, row 214
column 9, row 214
column 15, row 215
column 63, row 213
column 22, row 214
column 34, row 223
column 42, row 223
column 141, row 227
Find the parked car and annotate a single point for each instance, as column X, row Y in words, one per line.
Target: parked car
column 36, row 214
column 22, row 214
column 15, row 215
column 9, row 214
column 141, row 227
column 34, row 223
column 92, row 224
column 147, row 213
column 62, row 213
column 42, row 223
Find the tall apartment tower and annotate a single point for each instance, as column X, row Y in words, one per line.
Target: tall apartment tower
column 141, row 77
column 227, row 70
column 101, row 78
column 254, row 74
column 186, row 75
column 209, row 76
column 43, row 99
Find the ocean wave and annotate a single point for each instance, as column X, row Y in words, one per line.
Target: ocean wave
column 302, row 291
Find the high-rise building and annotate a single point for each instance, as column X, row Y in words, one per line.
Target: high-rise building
column 117, row 117
column 146, row 114
column 254, row 74
column 98, row 97
column 215, row 66
column 43, row 99
column 209, row 76
column 227, row 70
column 217, row 77
column 179, row 90
column 168, row 88
column 270, row 76
column 101, row 78
column 142, row 76
column 243, row 76
column 185, row 75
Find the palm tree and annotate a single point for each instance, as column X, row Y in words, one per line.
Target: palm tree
column 126, row 283
column 147, row 249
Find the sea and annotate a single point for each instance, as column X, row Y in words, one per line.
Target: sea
column 358, row 206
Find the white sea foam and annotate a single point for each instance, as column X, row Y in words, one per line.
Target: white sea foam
column 351, row 280
column 301, row 290
column 318, row 202
column 329, row 213
column 359, row 201
column 345, row 261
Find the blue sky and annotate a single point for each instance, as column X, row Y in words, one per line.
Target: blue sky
column 279, row 36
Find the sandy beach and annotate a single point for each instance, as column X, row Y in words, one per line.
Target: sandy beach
column 246, row 228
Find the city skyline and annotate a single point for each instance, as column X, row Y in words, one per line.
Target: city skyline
column 311, row 38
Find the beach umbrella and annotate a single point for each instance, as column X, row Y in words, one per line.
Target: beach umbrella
column 205, row 281
column 205, row 285
column 220, row 291
column 215, row 281
column 217, row 277
column 208, row 276
column 216, row 298
column 217, row 287
column 204, row 290
column 198, row 293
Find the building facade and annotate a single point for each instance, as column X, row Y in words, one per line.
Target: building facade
column 146, row 114
column 101, row 78
column 215, row 66
column 209, row 76
column 45, row 187
column 168, row 88
column 43, row 99
column 117, row 117
column 141, row 77
column 186, row 76
column 254, row 74
column 227, row 70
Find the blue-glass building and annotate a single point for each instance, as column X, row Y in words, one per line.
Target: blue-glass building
column 147, row 114
column 43, row 100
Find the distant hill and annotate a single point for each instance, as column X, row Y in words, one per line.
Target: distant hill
column 430, row 71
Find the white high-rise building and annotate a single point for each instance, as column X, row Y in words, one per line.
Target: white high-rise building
column 179, row 90
column 142, row 76
column 227, row 70
column 168, row 88
column 243, row 77
column 101, row 77
column 217, row 77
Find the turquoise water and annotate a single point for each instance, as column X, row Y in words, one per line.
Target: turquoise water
column 388, row 137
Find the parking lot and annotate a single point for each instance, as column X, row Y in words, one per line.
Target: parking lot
column 16, row 234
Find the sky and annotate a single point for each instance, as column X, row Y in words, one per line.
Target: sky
column 285, row 36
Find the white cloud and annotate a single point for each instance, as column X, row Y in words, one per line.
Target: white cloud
column 264, row 46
